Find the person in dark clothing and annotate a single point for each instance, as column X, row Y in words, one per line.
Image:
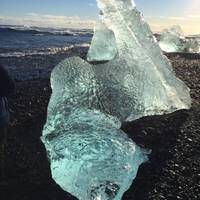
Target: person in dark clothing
column 7, row 85
column 6, row 88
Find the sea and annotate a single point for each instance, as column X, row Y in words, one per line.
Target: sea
column 24, row 40
column 32, row 52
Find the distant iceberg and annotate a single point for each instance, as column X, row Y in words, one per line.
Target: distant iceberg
column 193, row 44
column 174, row 40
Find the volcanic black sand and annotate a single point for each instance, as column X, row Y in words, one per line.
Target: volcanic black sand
column 173, row 169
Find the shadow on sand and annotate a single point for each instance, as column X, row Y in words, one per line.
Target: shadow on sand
column 28, row 174
column 158, row 133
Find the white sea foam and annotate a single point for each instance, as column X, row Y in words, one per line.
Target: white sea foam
column 47, row 51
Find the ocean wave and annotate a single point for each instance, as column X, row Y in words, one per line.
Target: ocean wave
column 43, row 31
column 34, row 32
column 47, row 51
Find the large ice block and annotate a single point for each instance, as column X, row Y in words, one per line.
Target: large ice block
column 141, row 67
column 90, row 156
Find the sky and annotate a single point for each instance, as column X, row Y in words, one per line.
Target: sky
column 159, row 14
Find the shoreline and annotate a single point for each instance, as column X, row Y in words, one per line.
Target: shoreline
column 38, row 66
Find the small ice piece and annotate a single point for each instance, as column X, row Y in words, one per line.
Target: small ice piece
column 193, row 45
column 103, row 46
column 173, row 40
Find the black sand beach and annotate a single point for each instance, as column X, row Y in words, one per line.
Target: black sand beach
column 173, row 169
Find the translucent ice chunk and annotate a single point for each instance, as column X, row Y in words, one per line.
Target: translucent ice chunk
column 193, row 45
column 90, row 156
column 103, row 46
column 173, row 40
column 176, row 30
column 140, row 68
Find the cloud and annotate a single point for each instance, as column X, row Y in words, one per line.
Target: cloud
column 177, row 18
column 91, row 4
column 47, row 20
column 168, row 17
column 189, row 23
column 194, row 16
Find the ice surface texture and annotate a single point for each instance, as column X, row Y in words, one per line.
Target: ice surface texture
column 90, row 156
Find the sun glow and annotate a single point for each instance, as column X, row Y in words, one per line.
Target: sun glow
column 188, row 19
column 193, row 7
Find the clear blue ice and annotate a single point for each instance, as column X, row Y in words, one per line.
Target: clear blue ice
column 90, row 156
